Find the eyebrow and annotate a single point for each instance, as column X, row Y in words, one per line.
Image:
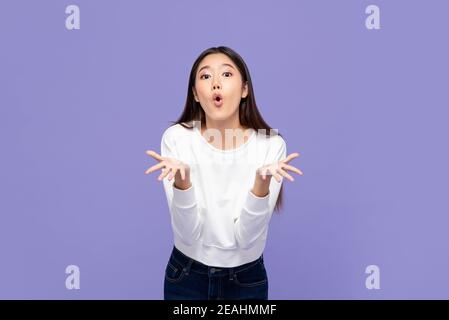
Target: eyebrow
column 224, row 64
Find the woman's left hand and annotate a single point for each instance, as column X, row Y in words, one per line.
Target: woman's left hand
column 278, row 169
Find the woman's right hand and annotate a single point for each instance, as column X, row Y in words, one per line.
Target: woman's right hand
column 172, row 167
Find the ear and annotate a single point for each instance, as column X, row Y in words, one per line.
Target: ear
column 245, row 90
column 194, row 94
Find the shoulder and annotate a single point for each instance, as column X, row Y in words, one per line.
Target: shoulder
column 277, row 142
column 274, row 141
column 176, row 131
column 274, row 147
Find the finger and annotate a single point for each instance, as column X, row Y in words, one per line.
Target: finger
column 285, row 174
column 275, row 174
column 155, row 155
column 164, row 173
column 290, row 157
column 172, row 173
column 291, row 168
column 155, row 167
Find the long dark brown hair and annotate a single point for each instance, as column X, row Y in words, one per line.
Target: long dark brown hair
column 249, row 115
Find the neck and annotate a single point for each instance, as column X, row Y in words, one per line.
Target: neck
column 222, row 125
column 238, row 132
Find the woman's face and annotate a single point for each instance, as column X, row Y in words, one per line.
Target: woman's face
column 219, row 86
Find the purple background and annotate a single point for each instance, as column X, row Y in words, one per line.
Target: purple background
column 364, row 108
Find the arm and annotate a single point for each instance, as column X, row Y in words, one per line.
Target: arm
column 185, row 219
column 260, row 202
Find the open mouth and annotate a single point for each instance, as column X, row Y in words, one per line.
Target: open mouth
column 218, row 100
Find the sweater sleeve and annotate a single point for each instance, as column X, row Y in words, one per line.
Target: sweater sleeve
column 256, row 212
column 185, row 219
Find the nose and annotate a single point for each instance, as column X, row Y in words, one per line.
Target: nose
column 216, row 85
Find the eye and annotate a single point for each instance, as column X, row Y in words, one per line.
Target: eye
column 227, row 74
column 204, row 75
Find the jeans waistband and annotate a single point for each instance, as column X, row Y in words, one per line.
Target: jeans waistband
column 196, row 266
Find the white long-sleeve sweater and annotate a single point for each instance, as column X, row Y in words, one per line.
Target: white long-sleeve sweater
column 218, row 221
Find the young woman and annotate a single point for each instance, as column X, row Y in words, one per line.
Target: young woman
column 220, row 191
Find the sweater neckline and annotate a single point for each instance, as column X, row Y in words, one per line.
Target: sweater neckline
column 243, row 145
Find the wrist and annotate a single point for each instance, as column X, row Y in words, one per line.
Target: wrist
column 182, row 184
column 261, row 187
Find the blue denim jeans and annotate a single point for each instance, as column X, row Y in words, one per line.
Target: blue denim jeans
column 188, row 279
